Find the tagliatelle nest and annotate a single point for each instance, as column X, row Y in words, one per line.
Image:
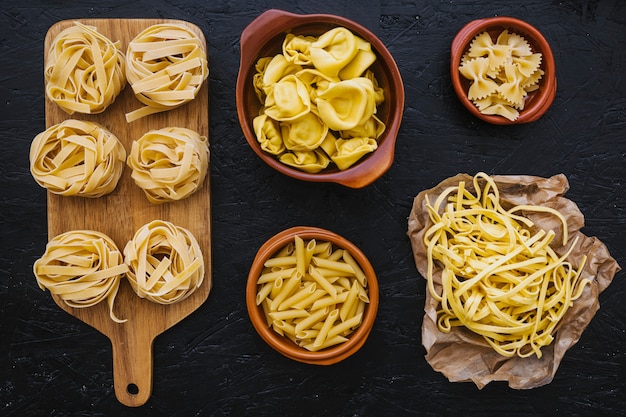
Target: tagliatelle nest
column 462, row 354
column 77, row 158
column 169, row 164
column 165, row 262
column 166, row 67
column 82, row 267
column 84, row 70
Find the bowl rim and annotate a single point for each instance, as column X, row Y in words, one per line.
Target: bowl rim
column 374, row 165
column 544, row 97
column 283, row 345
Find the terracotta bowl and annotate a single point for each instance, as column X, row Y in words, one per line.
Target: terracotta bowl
column 538, row 101
column 284, row 345
column 264, row 36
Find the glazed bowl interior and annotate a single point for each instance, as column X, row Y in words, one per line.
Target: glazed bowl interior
column 264, row 37
column 537, row 102
column 284, row 345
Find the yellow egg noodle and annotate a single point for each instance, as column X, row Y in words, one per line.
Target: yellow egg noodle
column 82, row 267
column 312, row 293
column 319, row 101
column 77, row 158
column 165, row 262
column 166, row 66
column 84, row 70
column 501, row 73
column 500, row 278
column 169, row 164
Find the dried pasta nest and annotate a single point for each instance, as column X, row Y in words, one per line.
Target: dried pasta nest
column 77, row 158
column 169, row 164
column 166, row 66
column 84, row 70
column 165, row 262
column 82, row 267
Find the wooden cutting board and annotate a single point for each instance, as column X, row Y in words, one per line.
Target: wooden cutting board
column 122, row 212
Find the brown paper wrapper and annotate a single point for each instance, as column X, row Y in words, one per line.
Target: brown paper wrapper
column 464, row 356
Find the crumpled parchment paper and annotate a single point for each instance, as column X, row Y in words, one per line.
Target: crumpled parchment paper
column 464, row 356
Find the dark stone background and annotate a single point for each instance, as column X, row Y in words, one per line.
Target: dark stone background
column 213, row 363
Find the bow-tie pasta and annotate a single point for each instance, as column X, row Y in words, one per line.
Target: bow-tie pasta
column 502, row 73
column 316, row 90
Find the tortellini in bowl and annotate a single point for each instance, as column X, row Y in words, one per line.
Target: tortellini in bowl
column 503, row 70
column 319, row 97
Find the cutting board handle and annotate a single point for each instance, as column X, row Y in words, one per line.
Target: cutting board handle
column 132, row 371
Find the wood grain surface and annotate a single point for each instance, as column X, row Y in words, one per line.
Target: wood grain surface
column 125, row 210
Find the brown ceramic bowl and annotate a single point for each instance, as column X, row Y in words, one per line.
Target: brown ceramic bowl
column 538, row 101
column 264, row 36
column 282, row 344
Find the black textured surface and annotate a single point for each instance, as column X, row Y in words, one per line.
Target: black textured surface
column 213, row 363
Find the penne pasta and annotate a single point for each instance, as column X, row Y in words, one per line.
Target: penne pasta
column 322, row 281
column 329, row 301
column 345, row 326
column 309, row 300
column 300, row 258
column 360, row 276
column 311, row 320
column 301, row 294
column 333, row 265
column 288, row 314
column 323, row 333
column 281, row 261
column 286, row 290
column 350, row 301
column 318, row 309
column 273, row 275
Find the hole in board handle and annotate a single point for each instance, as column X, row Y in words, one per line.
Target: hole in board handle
column 132, row 389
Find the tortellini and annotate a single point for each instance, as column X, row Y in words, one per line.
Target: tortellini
column 319, row 101
column 501, row 73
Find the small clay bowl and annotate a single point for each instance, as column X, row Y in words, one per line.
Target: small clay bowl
column 538, row 101
column 264, row 36
column 284, row 345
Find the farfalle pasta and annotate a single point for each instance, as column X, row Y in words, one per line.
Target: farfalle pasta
column 316, row 90
column 83, row 268
column 84, row 70
column 166, row 67
column 169, row 164
column 501, row 73
column 77, row 158
column 165, row 262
